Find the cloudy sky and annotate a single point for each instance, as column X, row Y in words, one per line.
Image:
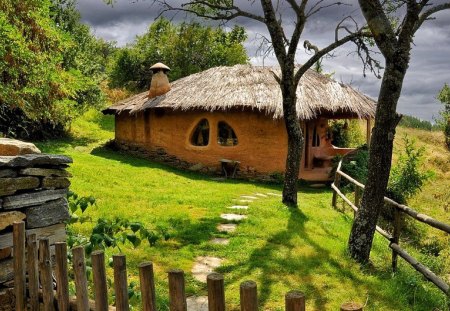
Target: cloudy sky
column 429, row 67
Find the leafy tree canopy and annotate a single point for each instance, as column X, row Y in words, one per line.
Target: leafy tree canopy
column 186, row 48
column 444, row 98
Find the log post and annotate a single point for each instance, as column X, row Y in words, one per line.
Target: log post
column 249, row 297
column 216, row 292
column 295, row 301
column 351, row 306
column 177, row 297
column 62, row 281
column 33, row 272
column 45, row 267
column 19, row 265
column 147, row 286
column 358, row 193
column 99, row 274
column 120, row 282
column 79, row 267
column 337, row 183
column 396, row 235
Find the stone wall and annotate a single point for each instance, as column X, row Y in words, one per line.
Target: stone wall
column 33, row 188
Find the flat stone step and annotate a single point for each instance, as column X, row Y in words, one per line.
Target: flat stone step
column 274, row 194
column 197, row 303
column 249, row 197
column 238, row 207
column 262, row 195
column 227, row 227
column 220, row 241
column 234, row 217
column 203, row 266
column 245, row 201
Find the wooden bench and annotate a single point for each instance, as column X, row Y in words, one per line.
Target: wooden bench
column 229, row 165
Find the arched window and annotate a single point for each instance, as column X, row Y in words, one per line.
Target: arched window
column 226, row 135
column 200, row 136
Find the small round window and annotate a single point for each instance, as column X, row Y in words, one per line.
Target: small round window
column 226, row 135
column 200, row 136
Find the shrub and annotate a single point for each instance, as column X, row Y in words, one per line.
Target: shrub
column 346, row 133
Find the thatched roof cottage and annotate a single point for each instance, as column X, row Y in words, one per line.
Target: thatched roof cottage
column 235, row 113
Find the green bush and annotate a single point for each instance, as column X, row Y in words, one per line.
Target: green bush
column 346, row 133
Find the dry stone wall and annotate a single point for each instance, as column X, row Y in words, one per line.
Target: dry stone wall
column 33, row 188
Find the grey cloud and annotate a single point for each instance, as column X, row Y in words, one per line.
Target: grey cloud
column 430, row 57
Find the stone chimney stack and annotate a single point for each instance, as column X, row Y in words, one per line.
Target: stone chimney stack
column 160, row 83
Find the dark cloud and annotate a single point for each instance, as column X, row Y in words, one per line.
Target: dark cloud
column 430, row 58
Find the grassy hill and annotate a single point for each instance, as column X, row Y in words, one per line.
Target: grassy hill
column 280, row 249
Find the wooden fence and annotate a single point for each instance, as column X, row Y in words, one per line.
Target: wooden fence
column 400, row 210
column 34, row 257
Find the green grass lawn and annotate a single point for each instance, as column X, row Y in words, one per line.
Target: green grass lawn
column 279, row 248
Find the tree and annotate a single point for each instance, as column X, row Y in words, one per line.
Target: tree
column 186, row 48
column 444, row 98
column 394, row 40
column 285, row 49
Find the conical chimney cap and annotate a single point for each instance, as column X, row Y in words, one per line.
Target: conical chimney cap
column 159, row 66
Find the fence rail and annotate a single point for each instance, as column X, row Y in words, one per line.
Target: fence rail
column 394, row 238
column 36, row 261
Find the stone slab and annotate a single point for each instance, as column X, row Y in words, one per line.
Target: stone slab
column 30, row 160
column 44, row 172
column 47, row 214
column 9, row 186
column 262, row 195
column 55, row 233
column 227, row 227
column 248, row 197
column 274, row 194
column 8, row 173
column 233, row 217
column 203, row 266
column 33, row 198
column 12, row 147
column 197, row 303
column 238, row 207
column 220, row 241
column 8, row 218
column 55, row 183
column 245, row 201
column 7, row 270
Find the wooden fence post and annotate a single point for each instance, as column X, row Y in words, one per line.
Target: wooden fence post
column 33, row 272
column 99, row 274
column 147, row 286
column 120, row 282
column 62, row 281
column 358, row 193
column 295, row 301
column 249, row 296
column 396, row 235
column 79, row 267
column 337, row 183
column 216, row 292
column 19, row 265
column 45, row 267
column 177, row 297
column 351, row 306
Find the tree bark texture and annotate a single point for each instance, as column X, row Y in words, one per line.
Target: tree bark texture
column 380, row 157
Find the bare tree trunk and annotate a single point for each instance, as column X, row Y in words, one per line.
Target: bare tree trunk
column 295, row 141
column 380, row 157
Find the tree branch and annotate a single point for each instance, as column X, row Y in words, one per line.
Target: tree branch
column 427, row 14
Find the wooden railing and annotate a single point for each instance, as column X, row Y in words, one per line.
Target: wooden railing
column 394, row 238
column 33, row 257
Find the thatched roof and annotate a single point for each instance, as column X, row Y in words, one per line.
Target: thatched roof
column 245, row 86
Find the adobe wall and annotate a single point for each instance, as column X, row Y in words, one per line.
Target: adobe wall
column 33, row 188
column 261, row 148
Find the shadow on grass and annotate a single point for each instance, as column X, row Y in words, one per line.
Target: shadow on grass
column 60, row 145
column 266, row 261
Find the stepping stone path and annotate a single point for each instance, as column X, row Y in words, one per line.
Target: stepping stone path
column 274, row 194
column 232, row 217
column 249, row 197
column 197, row 303
column 261, row 195
column 220, row 241
column 239, row 207
column 203, row 266
column 227, row 227
column 245, row 201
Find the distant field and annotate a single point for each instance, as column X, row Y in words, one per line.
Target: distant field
column 280, row 249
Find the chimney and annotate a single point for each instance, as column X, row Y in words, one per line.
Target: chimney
column 160, row 83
